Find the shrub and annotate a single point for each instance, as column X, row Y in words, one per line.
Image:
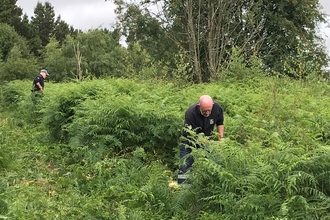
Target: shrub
column 10, row 95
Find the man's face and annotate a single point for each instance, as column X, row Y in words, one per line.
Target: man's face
column 43, row 75
column 205, row 110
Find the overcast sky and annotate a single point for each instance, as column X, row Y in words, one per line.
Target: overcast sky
column 81, row 14
column 89, row 14
column 325, row 29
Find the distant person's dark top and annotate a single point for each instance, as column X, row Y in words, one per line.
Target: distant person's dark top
column 39, row 79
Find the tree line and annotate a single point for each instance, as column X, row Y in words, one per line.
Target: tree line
column 191, row 40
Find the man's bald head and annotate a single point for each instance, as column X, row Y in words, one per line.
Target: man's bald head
column 205, row 105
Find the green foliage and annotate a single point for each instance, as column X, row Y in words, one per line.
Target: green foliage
column 56, row 63
column 285, row 26
column 240, row 68
column 10, row 94
column 302, row 65
column 4, row 152
column 138, row 61
column 17, row 67
column 183, row 41
column 105, row 149
column 249, row 181
column 61, row 30
column 180, row 76
column 207, row 32
column 3, row 204
column 60, row 112
column 10, row 13
column 140, row 26
column 101, row 55
column 8, row 39
column 75, row 116
column 17, row 61
column 102, row 61
column 3, row 207
column 44, row 21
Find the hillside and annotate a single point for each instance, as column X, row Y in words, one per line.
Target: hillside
column 107, row 149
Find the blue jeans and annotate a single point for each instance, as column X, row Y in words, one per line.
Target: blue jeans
column 184, row 150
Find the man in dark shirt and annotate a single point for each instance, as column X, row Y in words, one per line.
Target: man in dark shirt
column 200, row 117
column 38, row 85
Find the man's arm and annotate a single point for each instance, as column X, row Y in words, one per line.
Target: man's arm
column 39, row 86
column 221, row 131
column 219, row 123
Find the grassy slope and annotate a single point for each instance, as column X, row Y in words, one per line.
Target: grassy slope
column 43, row 179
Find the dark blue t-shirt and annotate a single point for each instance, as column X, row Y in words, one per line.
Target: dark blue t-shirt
column 39, row 79
column 194, row 120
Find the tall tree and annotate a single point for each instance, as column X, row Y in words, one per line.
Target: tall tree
column 98, row 53
column 10, row 13
column 25, row 67
column 205, row 31
column 24, row 29
column 98, row 47
column 211, row 29
column 43, row 22
column 139, row 25
column 10, row 38
column 55, row 61
column 61, row 30
column 290, row 29
column 17, row 61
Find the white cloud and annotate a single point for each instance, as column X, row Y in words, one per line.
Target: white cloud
column 81, row 14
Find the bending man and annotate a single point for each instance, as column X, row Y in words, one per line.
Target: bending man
column 200, row 117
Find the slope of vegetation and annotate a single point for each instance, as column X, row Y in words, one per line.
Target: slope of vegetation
column 107, row 149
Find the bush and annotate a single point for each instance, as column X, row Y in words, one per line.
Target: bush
column 112, row 142
column 10, row 95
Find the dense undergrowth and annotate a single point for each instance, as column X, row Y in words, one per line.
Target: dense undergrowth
column 107, row 149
